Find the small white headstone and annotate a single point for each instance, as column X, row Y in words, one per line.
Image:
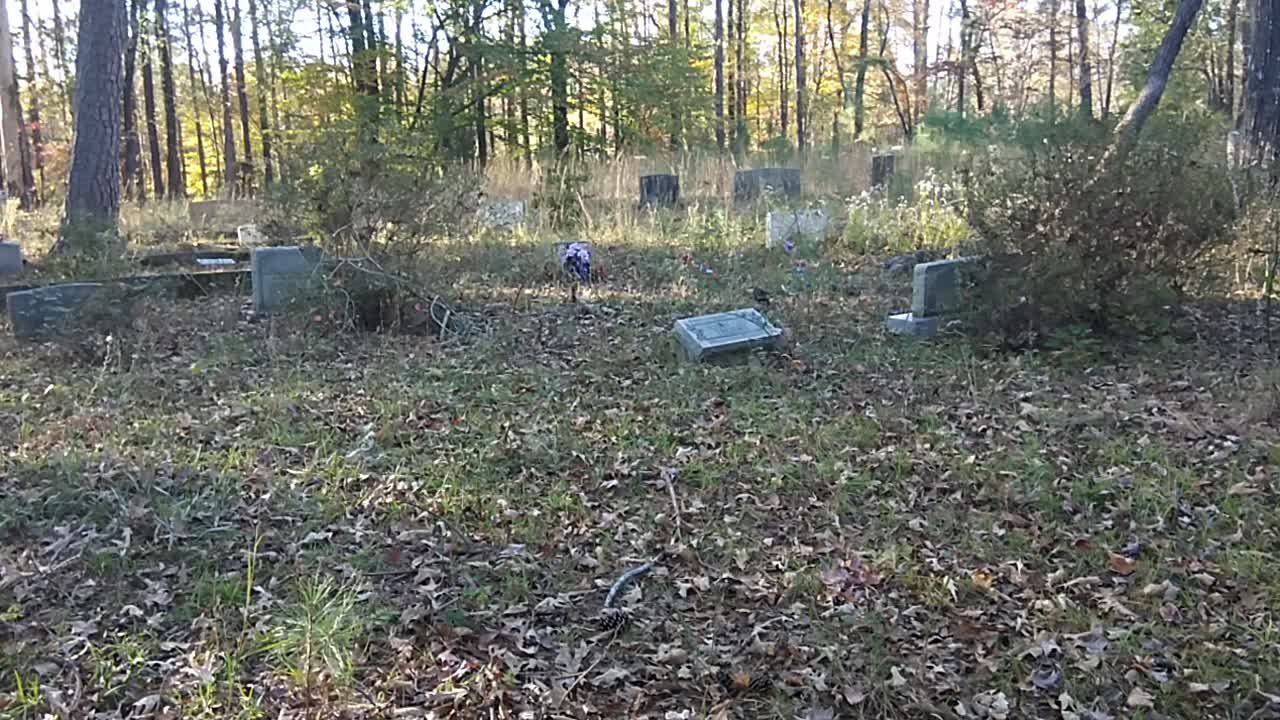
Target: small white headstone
column 784, row 226
column 723, row 333
column 502, row 214
column 250, row 236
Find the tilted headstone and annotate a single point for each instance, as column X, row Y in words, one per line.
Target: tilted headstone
column 749, row 185
column 41, row 311
column 935, row 292
column 502, row 214
column 787, row 225
column 10, row 259
column 280, row 274
column 882, row 169
column 725, row 333
column 659, row 190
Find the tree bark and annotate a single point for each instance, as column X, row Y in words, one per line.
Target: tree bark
column 247, row 171
column 134, row 188
column 1111, row 61
column 33, row 109
column 1053, row 57
column 964, row 56
column 64, row 66
column 860, row 80
column 1233, row 10
column 719, row 74
column 554, row 14
column 19, row 179
column 673, row 39
column 93, row 188
column 153, row 126
column 1086, row 75
column 784, row 32
column 841, row 87
column 801, row 89
column 231, row 169
column 1261, row 116
column 920, row 51
column 260, row 75
column 173, row 156
column 192, row 63
column 740, row 129
column 1126, row 134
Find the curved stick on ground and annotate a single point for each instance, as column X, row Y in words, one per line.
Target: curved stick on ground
column 626, row 578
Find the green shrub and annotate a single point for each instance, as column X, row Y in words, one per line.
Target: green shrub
column 1068, row 248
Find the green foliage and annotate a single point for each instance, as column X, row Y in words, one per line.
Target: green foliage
column 1068, row 248
column 931, row 216
column 315, row 640
column 562, row 195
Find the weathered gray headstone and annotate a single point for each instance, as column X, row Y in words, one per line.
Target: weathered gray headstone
column 751, row 184
column 708, row 336
column 935, row 287
column 909, row 324
column 659, row 190
column 502, row 214
column 250, row 236
column 40, row 311
column 280, row 273
column 784, row 226
column 882, row 168
column 10, row 259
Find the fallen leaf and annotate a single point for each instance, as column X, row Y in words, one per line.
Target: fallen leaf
column 1122, row 565
column 610, row 677
column 1139, row 698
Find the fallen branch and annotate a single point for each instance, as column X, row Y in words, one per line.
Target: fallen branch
column 627, row 577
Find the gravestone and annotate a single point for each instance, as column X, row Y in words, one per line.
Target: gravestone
column 250, row 236
column 221, row 214
column 787, row 225
column 502, row 214
column 882, row 168
column 10, row 259
column 935, row 293
column 280, row 273
column 659, row 190
column 708, row 336
column 749, row 185
column 40, row 311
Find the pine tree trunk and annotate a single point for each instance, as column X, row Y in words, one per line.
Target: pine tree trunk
column 33, row 109
column 1261, row 115
column 277, row 128
column 1111, row 60
column 740, row 129
column 64, row 66
column 673, row 39
column 173, row 157
column 192, row 62
column 260, row 75
column 784, row 94
column 920, row 54
column 247, row 170
column 153, row 127
column 1233, row 11
column 231, row 169
column 93, row 188
column 134, row 188
column 801, row 89
column 206, row 85
column 731, row 78
column 860, row 81
column 719, row 74
column 964, row 55
column 557, row 22
column 19, row 179
column 1053, row 57
column 526, row 136
column 1086, row 75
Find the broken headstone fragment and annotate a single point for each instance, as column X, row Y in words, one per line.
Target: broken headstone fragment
column 41, row 312
column 281, row 273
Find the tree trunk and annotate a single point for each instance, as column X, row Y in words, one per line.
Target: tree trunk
column 801, row 89
column 554, row 13
column 920, row 52
column 260, row 76
column 173, row 157
column 192, row 62
column 1053, row 57
column 1086, row 75
column 231, row 169
column 784, row 96
column 277, row 129
column 33, row 109
column 1126, row 134
column 134, row 188
column 93, row 188
column 1233, row 10
column 740, row 130
column 964, row 56
column 719, row 74
column 526, row 136
column 1111, row 61
column 149, row 112
column 64, row 66
column 19, row 179
column 247, row 172
column 860, row 80
column 1261, row 116
column 731, row 77
column 205, row 72
column 841, row 87
column 673, row 38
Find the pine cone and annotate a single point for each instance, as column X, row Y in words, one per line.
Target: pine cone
column 613, row 619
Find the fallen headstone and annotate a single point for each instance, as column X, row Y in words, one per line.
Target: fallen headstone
column 39, row 312
column 659, row 190
column 784, row 226
column 882, row 169
column 935, row 293
column 10, row 258
column 707, row 336
column 280, row 273
column 749, row 185
column 502, row 214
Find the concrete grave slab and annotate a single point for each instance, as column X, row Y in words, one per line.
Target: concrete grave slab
column 908, row 324
column 502, row 214
column 749, row 185
column 935, row 287
column 40, row 311
column 10, row 259
column 784, row 226
column 708, row 336
column 280, row 273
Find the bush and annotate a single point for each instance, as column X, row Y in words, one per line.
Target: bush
column 1068, row 249
column 930, row 215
